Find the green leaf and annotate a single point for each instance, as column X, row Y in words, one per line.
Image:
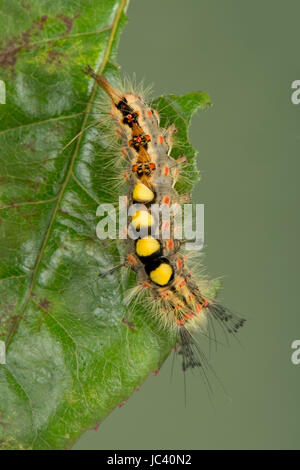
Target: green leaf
column 74, row 352
column 179, row 110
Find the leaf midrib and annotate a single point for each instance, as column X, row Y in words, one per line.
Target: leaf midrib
column 69, row 172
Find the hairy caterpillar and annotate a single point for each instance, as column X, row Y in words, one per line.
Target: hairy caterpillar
column 173, row 295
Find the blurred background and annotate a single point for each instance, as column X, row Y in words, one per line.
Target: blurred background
column 245, row 55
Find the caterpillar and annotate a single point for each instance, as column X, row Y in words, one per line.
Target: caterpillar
column 164, row 280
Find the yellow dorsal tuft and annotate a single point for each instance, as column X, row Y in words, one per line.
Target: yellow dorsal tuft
column 147, row 246
column 162, row 274
column 142, row 219
column 142, row 194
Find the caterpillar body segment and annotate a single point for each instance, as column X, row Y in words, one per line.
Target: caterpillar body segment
column 164, row 281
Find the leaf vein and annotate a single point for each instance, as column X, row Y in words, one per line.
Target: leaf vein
column 69, row 172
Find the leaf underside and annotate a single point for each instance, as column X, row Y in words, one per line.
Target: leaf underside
column 71, row 358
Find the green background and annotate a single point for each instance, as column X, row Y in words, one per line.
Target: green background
column 246, row 55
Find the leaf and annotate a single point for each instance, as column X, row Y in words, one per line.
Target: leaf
column 179, row 110
column 73, row 351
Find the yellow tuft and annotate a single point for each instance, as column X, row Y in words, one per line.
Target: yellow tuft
column 142, row 219
column 147, row 246
column 162, row 274
column 142, row 194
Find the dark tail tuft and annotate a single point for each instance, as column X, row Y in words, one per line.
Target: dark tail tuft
column 188, row 350
column 231, row 322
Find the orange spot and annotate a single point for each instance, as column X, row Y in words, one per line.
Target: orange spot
column 123, row 150
column 119, row 131
column 166, row 170
column 166, row 200
column 148, row 138
column 126, row 175
column 179, row 322
column 149, row 113
column 166, row 226
column 170, row 245
column 160, row 139
column 131, row 259
column 205, row 303
column 199, row 307
column 187, row 316
column 179, row 263
column 146, row 284
column 152, row 166
column 182, row 283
